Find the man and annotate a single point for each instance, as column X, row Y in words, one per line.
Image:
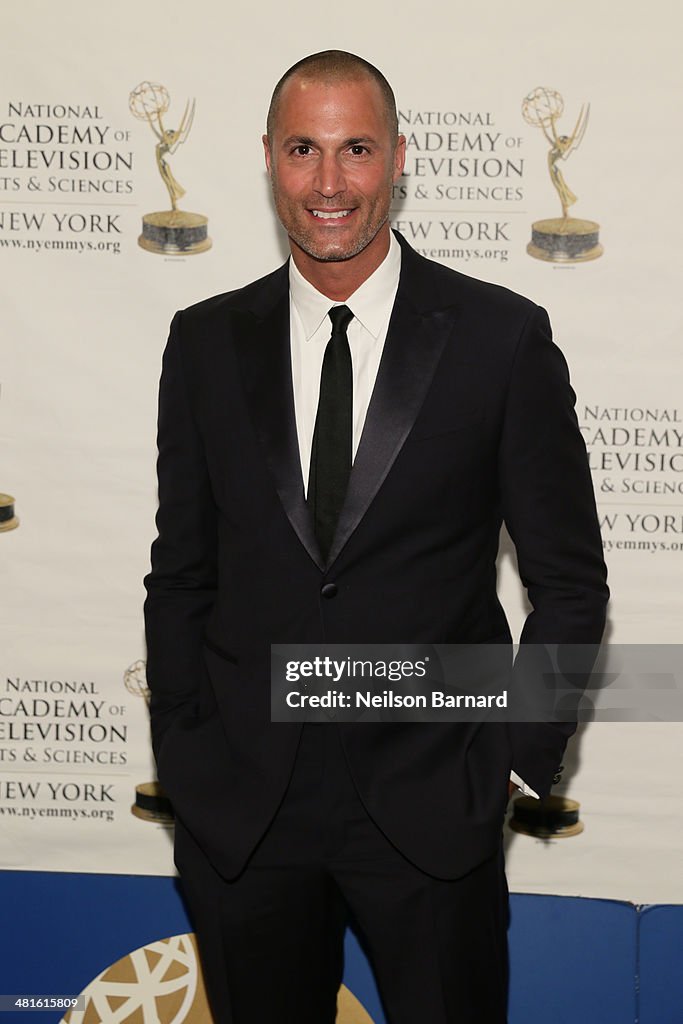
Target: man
column 454, row 407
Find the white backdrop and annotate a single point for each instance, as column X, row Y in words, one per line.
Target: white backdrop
column 84, row 327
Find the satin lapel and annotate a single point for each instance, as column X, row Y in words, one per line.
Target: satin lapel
column 412, row 350
column 267, row 372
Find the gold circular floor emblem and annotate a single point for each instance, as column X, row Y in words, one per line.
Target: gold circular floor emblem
column 162, row 984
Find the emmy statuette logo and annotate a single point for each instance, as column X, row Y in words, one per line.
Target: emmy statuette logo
column 171, row 232
column 555, row 817
column 8, row 520
column 151, row 803
column 562, row 239
column 8, row 517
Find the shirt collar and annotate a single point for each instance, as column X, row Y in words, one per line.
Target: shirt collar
column 371, row 303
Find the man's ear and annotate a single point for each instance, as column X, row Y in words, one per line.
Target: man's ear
column 399, row 157
column 267, row 153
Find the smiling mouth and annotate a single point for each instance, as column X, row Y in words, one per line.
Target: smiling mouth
column 331, row 214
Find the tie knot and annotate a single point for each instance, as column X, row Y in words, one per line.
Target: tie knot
column 341, row 317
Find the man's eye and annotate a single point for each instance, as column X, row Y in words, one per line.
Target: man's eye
column 302, row 150
column 358, row 150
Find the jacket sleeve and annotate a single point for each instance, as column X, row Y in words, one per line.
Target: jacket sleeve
column 181, row 586
column 549, row 510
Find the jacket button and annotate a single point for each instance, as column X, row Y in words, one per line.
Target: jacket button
column 329, row 590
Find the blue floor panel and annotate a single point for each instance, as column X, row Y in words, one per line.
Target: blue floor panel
column 571, row 959
column 661, row 965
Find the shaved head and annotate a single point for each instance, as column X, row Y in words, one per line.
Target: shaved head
column 334, row 66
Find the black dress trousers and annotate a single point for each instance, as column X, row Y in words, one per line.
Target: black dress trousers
column 271, row 941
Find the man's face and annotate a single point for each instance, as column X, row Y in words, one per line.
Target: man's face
column 332, row 163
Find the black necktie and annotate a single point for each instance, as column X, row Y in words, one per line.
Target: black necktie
column 332, row 438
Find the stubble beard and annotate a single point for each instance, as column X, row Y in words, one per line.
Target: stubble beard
column 290, row 214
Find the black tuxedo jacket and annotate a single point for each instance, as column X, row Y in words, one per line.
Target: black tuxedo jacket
column 471, row 423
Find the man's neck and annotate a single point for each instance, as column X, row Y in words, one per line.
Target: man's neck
column 337, row 279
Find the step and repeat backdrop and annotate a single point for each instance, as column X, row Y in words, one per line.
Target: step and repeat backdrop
column 542, row 155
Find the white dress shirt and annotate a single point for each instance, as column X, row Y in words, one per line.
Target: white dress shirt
column 310, row 330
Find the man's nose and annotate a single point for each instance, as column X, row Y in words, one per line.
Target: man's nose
column 329, row 180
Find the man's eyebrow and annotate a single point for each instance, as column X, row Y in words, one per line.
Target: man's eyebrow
column 306, row 140
column 298, row 140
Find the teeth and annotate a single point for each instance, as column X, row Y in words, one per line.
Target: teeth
column 329, row 216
